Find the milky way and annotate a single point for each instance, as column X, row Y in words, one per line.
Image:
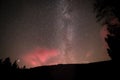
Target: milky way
column 65, row 31
column 50, row 32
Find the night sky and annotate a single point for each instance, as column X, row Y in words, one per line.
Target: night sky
column 50, row 32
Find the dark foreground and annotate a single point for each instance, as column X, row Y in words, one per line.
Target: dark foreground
column 97, row 71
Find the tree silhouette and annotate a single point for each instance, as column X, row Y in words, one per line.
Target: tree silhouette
column 0, row 64
column 24, row 67
column 0, row 61
column 105, row 9
column 7, row 63
column 108, row 12
column 15, row 65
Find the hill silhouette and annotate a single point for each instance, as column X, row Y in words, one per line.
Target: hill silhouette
column 60, row 72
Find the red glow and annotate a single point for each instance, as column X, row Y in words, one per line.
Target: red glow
column 104, row 32
column 39, row 56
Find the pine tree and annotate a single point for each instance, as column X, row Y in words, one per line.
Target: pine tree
column 108, row 12
column 15, row 65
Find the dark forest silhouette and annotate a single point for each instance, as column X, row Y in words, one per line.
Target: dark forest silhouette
column 108, row 12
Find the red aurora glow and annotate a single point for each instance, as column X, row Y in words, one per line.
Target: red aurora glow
column 39, row 56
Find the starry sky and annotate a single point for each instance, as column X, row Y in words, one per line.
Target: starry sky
column 50, row 32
